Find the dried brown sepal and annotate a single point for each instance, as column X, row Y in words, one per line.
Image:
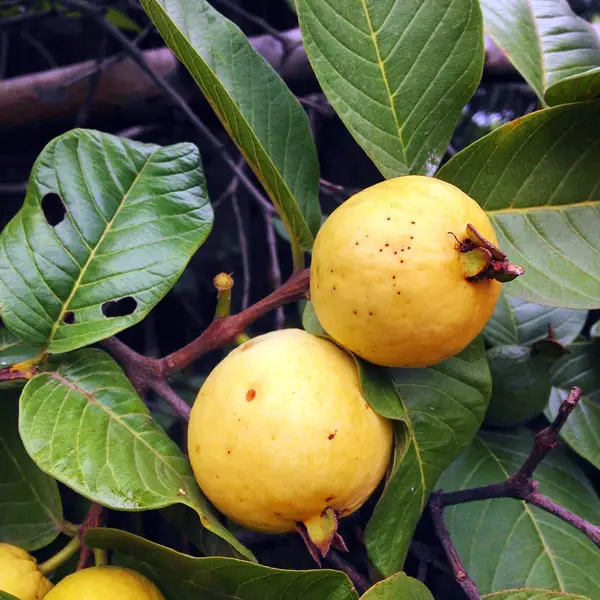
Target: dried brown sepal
column 475, row 249
column 475, row 262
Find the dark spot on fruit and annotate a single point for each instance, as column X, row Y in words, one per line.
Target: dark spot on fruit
column 370, row 314
column 354, row 312
column 397, row 293
column 402, row 261
column 333, row 288
column 367, row 405
column 119, row 308
column 408, row 248
column 228, row 451
column 401, row 249
column 250, row 395
column 393, row 277
column 53, row 208
column 277, row 514
column 329, row 498
column 412, row 237
column 413, row 222
column 331, row 435
column 356, row 243
column 388, row 218
column 395, row 251
column 380, row 249
column 197, row 448
column 387, row 245
column 69, row 317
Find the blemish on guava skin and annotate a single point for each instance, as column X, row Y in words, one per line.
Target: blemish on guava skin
column 329, row 498
column 250, row 395
column 355, row 312
column 388, row 218
column 370, row 314
column 333, row 288
column 228, row 451
column 197, row 448
column 277, row 514
column 393, row 277
column 413, row 222
column 332, row 435
column 387, row 245
column 380, row 249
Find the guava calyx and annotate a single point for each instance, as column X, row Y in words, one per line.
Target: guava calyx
column 320, row 534
column 483, row 260
column 549, row 348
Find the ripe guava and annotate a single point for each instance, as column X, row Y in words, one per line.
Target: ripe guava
column 100, row 583
column 19, row 574
column 281, row 437
column 406, row 273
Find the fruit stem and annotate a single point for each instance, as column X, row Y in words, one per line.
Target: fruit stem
column 100, row 557
column 223, row 282
column 61, row 557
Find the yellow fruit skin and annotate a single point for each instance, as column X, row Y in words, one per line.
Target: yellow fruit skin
column 19, row 574
column 386, row 277
column 104, row 583
column 280, row 431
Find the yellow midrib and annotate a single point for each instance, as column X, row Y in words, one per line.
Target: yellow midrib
column 92, row 254
column 383, row 72
column 547, row 207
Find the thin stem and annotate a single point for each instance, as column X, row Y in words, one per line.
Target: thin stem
column 61, row 557
column 165, row 391
column 222, row 331
column 436, row 508
column 100, row 557
column 224, row 284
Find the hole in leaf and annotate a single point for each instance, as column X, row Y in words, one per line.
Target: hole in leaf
column 53, row 208
column 69, row 317
column 119, row 308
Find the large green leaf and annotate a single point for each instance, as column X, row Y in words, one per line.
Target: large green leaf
column 259, row 112
column 7, row 596
column 14, row 350
column 539, row 180
column 581, row 367
column 183, row 577
column 518, row 322
column 83, row 423
column 398, row 586
column 397, row 73
column 557, row 52
column 444, row 407
column 135, row 214
column 505, row 543
column 30, row 507
column 532, row 594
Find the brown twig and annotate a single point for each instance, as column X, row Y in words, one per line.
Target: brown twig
column 94, row 518
column 436, row 508
column 520, row 486
column 361, row 583
column 147, row 373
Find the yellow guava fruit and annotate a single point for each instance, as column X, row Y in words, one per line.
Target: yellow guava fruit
column 281, row 435
column 392, row 274
column 19, row 574
column 102, row 583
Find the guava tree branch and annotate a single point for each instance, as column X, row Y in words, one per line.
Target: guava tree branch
column 147, row 373
column 520, row 486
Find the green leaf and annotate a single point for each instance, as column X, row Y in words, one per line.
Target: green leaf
column 444, row 408
column 520, row 385
column 397, row 73
column 532, row 594
column 7, row 596
column 505, row 543
column 14, row 350
column 521, row 323
column 83, row 423
column 539, row 180
column 121, row 20
column 183, row 577
column 557, row 52
column 262, row 116
column 581, row 367
column 135, row 215
column 398, row 586
column 30, row 507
